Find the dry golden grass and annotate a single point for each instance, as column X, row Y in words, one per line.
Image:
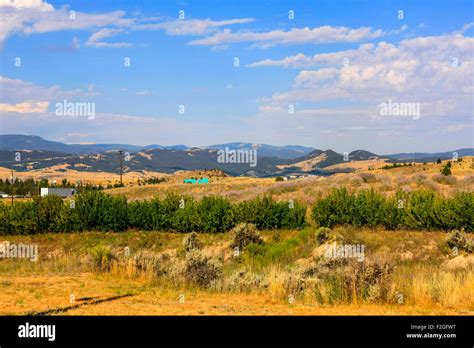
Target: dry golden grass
column 308, row 190
column 360, row 165
column 21, row 295
column 59, row 172
column 64, row 268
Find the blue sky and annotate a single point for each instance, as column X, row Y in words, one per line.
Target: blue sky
column 333, row 64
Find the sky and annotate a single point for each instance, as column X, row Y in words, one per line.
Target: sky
column 384, row 76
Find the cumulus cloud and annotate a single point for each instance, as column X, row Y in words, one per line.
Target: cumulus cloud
column 22, row 4
column 318, row 35
column 435, row 71
column 343, row 90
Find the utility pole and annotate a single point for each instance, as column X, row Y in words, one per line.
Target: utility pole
column 121, row 165
column 11, row 191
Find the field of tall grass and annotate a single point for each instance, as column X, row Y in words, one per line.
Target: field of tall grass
column 261, row 247
column 402, row 271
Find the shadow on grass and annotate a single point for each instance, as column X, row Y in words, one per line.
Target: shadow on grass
column 86, row 301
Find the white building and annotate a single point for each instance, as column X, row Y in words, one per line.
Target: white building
column 61, row 192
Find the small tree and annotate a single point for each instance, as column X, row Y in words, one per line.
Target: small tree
column 438, row 161
column 446, row 171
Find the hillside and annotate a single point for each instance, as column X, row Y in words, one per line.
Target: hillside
column 36, row 153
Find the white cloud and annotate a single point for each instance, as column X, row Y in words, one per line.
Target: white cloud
column 322, row 59
column 316, row 76
column 299, row 60
column 35, row 16
column 420, row 69
column 27, row 17
column 318, row 35
column 144, row 92
column 78, row 135
column 95, row 40
column 18, row 92
column 191, row 26
column 23, row 4
column 455, row 128
column 29, row 106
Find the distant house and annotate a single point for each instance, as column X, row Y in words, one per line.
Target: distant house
column 296, row 176
column 196, row 181
column 61, row 192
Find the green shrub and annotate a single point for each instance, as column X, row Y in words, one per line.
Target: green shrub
column 460, row 240
column 98, row 211
column 244, row 234
column 265, row 213
column 419, row 210
column 48, row 210
column 446, row 169
column 140, row 215
column 336, row 209
column 214, row 214
column 323, row 234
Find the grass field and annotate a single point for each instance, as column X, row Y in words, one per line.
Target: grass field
column 308, row 190
column 138, row 273
column 430, row 279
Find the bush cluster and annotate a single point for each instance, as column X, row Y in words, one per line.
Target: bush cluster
column 244, row 234
column 417, row 210
column 191, row 242
column 95, row 210
column 460, row 240
column 201, row 269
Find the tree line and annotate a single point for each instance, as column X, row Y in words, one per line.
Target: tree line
column 95, row 210
column 31, row 187
column 417, row 210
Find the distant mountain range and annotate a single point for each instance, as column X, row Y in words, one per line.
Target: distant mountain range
column 425, row 156
column 264, row 150
column 37, row 153
column 32, row 142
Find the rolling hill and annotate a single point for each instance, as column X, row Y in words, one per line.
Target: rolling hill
column 38, row 153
